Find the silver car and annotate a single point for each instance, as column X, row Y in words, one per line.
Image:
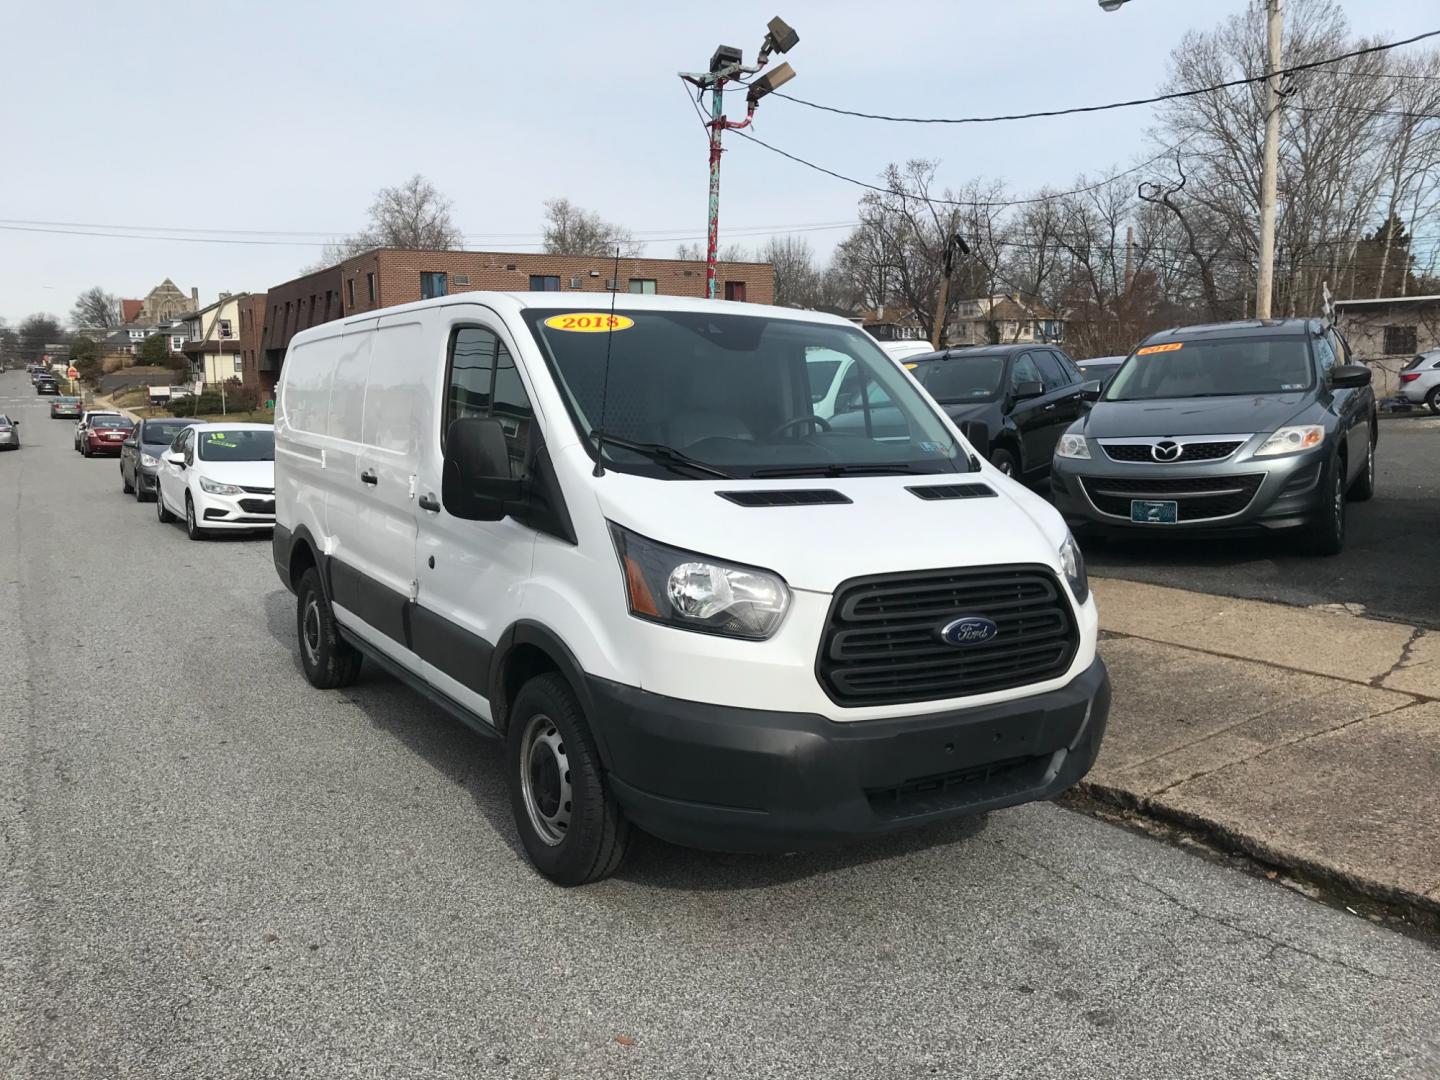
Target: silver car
column 1420, row 380
column 9, row 433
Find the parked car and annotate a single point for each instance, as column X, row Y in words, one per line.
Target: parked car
column 1420, row 380
column 218, row 478
column 9, row 433
column 140, row 454
column 82, row 427
column 65, row 408
column 1010, row 401
column 1253, row 426
column 1101, row 369
column 46, row 384
column 106, row 435
column 483, row 510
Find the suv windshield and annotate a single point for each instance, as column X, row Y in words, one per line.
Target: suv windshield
column 970, row 377
column 744, row 395
column 1219, row 368
column 243, row 445
column 158, row 433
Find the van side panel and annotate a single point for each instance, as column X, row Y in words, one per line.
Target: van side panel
column 302, row 405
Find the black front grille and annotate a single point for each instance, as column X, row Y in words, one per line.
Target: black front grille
column 931, row 492
column 258, row 506
column 883, row 646
column 927, row 795
column 784, row 497
column 1196, row 497
column 1196, row 451
column 258, row 490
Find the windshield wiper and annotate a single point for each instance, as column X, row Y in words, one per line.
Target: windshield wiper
column 835, row 470
column 665, row 455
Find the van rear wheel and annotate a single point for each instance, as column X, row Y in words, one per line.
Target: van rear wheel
column 329, row 661
column 569, row 822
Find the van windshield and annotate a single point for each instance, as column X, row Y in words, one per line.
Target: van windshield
column 1220, row 368
column 741, row 395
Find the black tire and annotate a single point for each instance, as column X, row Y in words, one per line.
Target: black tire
column 161, row 511
column 329, row 661
column 553, row 766
column 139, row 488
column 1325, row 535
column 192, row 527
column 1364, row 486
column 85, row 450
column 1005, row 461
column 125, row 486
column 1432, row 400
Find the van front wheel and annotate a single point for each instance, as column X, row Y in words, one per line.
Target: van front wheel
column 569, row 822
column 329, row 660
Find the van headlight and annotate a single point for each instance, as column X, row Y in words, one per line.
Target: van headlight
column 1291, row 440
column 1073, row 563
column 694, row 592
column 1073, row 446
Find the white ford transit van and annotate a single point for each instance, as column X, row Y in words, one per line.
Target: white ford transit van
column 625, row 544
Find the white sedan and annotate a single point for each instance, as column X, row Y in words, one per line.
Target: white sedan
column 218, row 477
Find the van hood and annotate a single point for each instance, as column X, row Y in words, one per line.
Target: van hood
column 1192, row 416
column 884, row 528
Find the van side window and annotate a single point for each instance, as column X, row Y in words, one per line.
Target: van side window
column 484, row 381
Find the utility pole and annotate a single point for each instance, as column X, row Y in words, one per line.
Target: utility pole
column 937, row 326
column 727, row 65
column 1265, row 273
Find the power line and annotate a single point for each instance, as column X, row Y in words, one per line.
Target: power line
column 1176, row 95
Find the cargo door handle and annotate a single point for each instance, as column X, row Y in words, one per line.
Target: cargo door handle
column 368, row 477
column 429, row 502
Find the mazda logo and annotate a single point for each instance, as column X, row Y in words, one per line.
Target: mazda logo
column 970, row 630
column 1166, row 451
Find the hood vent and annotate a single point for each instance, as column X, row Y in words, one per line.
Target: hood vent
column 784, row 497
column 933, row 492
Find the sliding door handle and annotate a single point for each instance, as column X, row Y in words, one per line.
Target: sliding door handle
column 369, row 477
column 429, row 502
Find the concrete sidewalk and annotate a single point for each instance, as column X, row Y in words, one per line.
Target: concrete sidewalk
column 1307, row 738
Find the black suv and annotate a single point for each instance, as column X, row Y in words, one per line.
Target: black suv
column 1244, row 426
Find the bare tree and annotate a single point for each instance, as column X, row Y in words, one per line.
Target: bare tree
column 573, row 230
column 797, row 282
column 413, row 216
column 95, row 309
column 724, row 253
column 36, row 332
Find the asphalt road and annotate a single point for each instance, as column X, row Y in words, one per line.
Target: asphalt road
column 212, row 870
column 1390, row 565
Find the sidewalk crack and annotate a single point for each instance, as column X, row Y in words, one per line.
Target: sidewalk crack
column 1406, row 651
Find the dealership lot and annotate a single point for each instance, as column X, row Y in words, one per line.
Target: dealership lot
column 214, row 870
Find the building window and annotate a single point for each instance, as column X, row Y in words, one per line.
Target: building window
column 1399, row 339
column 735, row 290
column 239, row 365
column 350, row 292
column 460, row 279
column 432, row 284
column 370, row 286
column 176, row 342
column 642, row 285
column 575, row 283
column 544, row 283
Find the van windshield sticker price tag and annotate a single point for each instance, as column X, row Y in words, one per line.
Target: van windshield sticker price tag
column 1160, row 348
column 589, row 322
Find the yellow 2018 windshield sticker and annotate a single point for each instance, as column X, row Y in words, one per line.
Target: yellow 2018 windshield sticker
column 1160, row 348
column 589, row 322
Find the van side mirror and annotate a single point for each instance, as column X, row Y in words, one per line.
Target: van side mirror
column 1349, row 376
column 1028, row 390
column 476, row 483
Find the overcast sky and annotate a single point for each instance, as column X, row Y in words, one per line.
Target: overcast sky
column 284, row 117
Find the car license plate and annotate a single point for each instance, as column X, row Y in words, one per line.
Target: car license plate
column 1155, row 512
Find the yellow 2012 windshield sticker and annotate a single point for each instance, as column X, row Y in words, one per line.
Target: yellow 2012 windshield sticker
column 1160, row 348
column 589, row 322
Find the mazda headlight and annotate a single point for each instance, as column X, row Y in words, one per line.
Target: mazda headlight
column 694, row 592
column 215, row 488
column 1073, row 446
column 1291, row 440
column 149, row 462
column 1073, row 563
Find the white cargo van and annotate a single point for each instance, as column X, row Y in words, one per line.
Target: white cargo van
column 623, row 543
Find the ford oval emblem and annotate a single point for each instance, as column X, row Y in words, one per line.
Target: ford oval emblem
column 971, row 630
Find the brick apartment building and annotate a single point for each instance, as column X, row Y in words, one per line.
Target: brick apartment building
column 252, row 323
column 386, row 276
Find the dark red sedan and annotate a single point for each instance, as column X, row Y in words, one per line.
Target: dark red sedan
column 106, row 434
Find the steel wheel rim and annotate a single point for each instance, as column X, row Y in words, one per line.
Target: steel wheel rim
column 545, row 780
column 190, row 515
column 310, row 632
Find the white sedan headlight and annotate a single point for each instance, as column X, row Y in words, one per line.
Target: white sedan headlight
column 216, row 488
column 1291, row 440
column 1073, row 446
